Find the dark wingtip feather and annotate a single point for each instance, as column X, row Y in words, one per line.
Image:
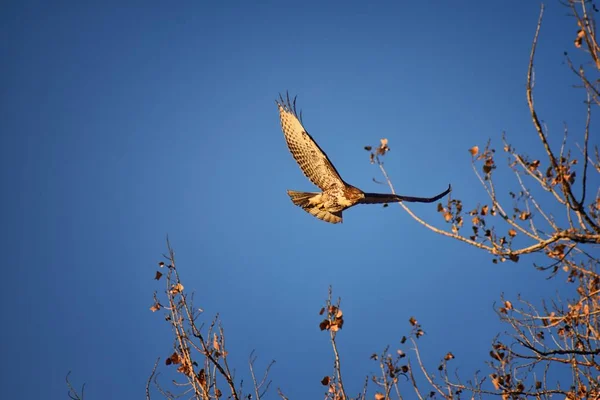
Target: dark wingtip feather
column 289, row 104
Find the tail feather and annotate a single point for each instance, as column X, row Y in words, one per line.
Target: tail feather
column 303, row 199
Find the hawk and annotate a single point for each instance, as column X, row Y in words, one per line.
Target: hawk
column 336, row 195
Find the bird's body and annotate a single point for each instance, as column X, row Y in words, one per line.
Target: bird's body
column 336, row 195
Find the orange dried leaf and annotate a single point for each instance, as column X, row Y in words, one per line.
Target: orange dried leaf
column 412, row 321
column 176, row 289
column 216, row 342
column 379, row 396
column 449, row 356
column 447, row 216
column 474, row 150
column 155, row 307
column 508, row 305
column 512, row 233
column 484, row 210
column 533, row 166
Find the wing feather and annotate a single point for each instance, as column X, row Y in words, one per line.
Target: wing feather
column 310, row 157
column 377, row 198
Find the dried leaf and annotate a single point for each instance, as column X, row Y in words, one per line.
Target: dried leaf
column 155, row 307
column 512, row 233
column 173, row 359
column 325, row 381
column 368, row 148
column 412, row 321
column 379, row 396
column 161, row 264
column 520, row 387
column 337, row 324
column 176, row 289
column 474, row 150
column 484, row 210
column 449, row 356
column 202, row 378
column 508, row 305
column 158, row 275
column 216, row 342
column 324, row 325
column 495, row 381
column 322, row 311
column 532, row 166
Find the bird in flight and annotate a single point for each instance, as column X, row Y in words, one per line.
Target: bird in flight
column 336, row 195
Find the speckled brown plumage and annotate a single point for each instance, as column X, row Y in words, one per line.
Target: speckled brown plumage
column 336, row 195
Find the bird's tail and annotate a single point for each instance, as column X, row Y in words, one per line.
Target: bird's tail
column 301, row 199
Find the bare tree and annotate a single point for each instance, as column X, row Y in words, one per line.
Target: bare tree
column 561, row 337
column 198, row 352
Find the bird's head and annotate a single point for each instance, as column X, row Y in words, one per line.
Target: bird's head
column 353, row 193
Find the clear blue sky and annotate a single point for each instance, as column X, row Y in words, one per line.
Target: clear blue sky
column 122, row 124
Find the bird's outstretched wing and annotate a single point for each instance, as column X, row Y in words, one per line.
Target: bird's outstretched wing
column 312, row 160
column 377, row 198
